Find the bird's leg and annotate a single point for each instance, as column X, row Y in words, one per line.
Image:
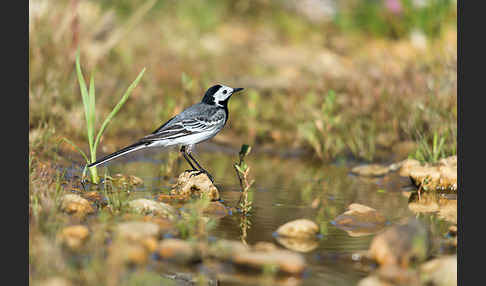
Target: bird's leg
column 183, row 151
column 201, row 169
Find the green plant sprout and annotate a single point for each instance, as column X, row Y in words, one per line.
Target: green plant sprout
column 89, row 100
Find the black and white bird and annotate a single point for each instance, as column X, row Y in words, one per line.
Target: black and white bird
column 193, row 125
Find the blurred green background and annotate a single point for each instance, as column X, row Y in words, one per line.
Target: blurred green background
column 336, row 79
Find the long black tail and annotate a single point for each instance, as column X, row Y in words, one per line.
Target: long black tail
column 121, row 152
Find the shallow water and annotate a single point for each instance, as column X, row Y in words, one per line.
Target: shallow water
column 286, row 189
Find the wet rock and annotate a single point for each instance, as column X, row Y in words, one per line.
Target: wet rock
column 76, row 205
column 391, row 275
column 136, row 230
column 126, row 252
column 397, row 275
column 407, row 166
column 298, row 244
column 285, row 260
column 440, row 271
column 431, row 202
column 178, row 250
column 401, row 244
column 373, row 281
column 372, row 170
column 94, row 197
column 302, row 228
column 189, row 185
column 166, row 226
column 439, row 177
column 225, row 249
column 55, row 281
column 73, row 236
column 264, row 246
column 150, row 207
column 359, row 220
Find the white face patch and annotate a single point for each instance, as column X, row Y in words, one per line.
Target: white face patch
column 223, row 93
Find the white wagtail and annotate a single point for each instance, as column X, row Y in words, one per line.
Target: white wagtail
column 193, row 125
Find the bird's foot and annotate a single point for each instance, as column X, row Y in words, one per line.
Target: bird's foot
column 204, row 172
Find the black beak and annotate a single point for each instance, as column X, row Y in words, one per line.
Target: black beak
column 235, row 90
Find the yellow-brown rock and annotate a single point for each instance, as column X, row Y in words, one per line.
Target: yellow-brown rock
column 76, row 205
column 73, row 236
column 191, row 185
column 302, row 228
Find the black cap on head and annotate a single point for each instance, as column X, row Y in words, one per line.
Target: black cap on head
column 208, row 96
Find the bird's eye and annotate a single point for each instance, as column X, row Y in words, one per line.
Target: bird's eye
column 225, row 91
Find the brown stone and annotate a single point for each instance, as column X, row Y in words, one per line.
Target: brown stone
column 302, row 228
column 189, row 185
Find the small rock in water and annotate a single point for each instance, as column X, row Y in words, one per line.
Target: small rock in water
column 285, row 260
column 298, row 244
column 302, row 228
column 188, row 184
column 373, row 170
column 136, row 230
column 123, row 251
column 432, row 202
column 407, row 166
column 145, row 206
column 264, row 246
column 76, row 205
column 55, row 281
column 360, row 220
column 225, row 249
column 400, row 244
column 73, row 236
column 438, row 177
column 178, row 250
column 440, row 271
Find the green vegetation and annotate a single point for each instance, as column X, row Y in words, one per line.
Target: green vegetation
column 89, row 100
column 431, row 151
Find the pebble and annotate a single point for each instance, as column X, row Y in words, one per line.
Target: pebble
column 189, row 186
column 301, row 228
column 76, row 205
column 73, row 236
column 150, row 207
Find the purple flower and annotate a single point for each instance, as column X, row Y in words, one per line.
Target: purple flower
column 394, row 6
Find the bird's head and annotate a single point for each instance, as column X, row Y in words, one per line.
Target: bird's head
column 219, row 95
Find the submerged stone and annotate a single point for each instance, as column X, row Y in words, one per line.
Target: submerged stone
column 359, row 220
column 189, row 184
column 301, row 228
column 225, row 249
column 438, row 177
column 440, row 271
column 150, row 207
column 373, row 170
column 136, row 230
column 400, row 244
column 284, row 260
column 298, row 244
column 73, row 236
column 178, row 250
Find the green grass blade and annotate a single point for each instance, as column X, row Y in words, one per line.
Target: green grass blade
column 92, row 117
column 117, row 107
column 82, row 86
